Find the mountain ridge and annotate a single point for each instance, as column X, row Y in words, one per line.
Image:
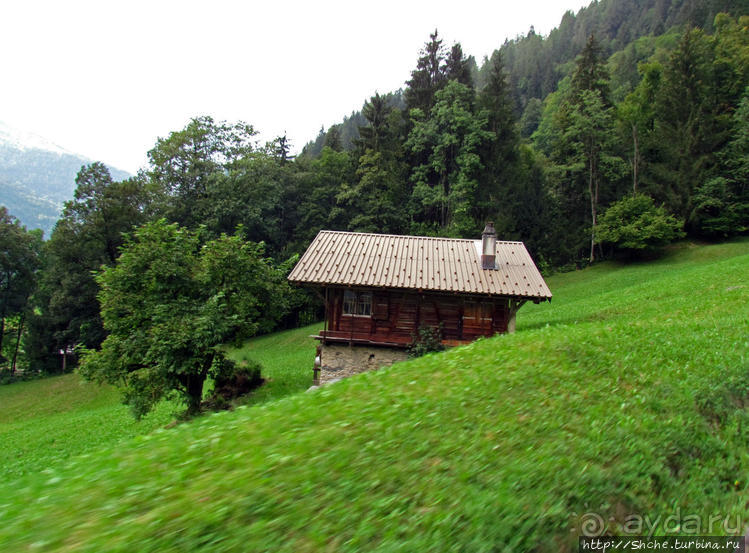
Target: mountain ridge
column 37, row 177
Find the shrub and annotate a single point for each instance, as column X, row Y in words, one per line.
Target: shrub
column 232, row 381
column 635, row 223
column 426, row 340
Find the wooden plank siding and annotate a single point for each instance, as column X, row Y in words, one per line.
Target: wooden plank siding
column 396, row 315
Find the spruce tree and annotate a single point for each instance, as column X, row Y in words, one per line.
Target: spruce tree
column 458, row 67
column 428, row 77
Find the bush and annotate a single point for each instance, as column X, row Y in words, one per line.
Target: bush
column 232, row 381
column 426, row 340
column 635, row 223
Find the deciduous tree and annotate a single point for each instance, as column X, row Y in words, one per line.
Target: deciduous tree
column 183, row 165
column 167, row 304
column 20, row 253
column 87, row 236
column 636, row 223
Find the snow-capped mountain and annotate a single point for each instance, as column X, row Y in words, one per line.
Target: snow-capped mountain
column 10, row 137
column 37, row 176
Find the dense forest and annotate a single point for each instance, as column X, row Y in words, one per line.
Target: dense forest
column 626, row 128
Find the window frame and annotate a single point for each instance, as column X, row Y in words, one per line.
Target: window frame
column 355, row 302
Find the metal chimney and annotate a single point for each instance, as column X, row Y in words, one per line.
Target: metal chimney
column 488, row 247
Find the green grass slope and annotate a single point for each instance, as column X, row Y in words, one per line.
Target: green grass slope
column 287, row 359
column 45, row 422
column 626, row 396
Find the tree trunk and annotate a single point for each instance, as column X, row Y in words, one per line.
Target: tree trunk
column 18, row 341
column 443, row 202
column 2, row 328
column 194, row 387
column 194, row 393
column 636, row 159
column 593, row 201
column 2, row 333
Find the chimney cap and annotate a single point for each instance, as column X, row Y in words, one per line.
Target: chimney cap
column 489, row 229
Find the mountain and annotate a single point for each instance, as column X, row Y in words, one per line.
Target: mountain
column 535, row 64
column 37, row 177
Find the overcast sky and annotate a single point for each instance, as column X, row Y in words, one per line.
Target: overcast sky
column 106, row 78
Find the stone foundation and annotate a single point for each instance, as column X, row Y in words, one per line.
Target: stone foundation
column 341, row 360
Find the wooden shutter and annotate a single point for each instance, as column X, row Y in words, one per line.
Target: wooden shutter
column 380, row 307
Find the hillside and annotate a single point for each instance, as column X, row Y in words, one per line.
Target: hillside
column 37, row 177
column 626, row 396
column 535, row 63
column 43, row 423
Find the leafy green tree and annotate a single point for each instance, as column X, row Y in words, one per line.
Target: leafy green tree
column 334, row 139
column 184, row 165
column 282, row 149
column 721, row 204
column 20, row 256
column 249, row 194
column 380, row 131
column 637, row 116
column 167, row 304
column 635, row 223
column 531, row 117
column 496, row 100
column 526, row 212
column 590, row 73
column 450, row 141
column 498, row 190
column 580, row 137
column 693, row 107
column 458, row 67
column 87, row 236
column 319, row 183
column 592, row 134
column 376, row 198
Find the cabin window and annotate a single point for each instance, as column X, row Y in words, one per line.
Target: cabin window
column 357, row 303
column 349, row 302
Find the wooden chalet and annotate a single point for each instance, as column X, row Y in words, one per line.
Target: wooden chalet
column 379, row 289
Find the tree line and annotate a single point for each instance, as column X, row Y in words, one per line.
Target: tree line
column 601, row 167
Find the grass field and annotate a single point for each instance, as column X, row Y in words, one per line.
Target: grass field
column 43, row 423
column 625, row 397
column 286, row 358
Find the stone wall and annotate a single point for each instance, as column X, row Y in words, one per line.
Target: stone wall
column 342, row 360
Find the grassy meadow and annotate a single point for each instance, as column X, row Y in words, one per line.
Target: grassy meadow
column 287, row 359
column 43, row 423
column 625, row 397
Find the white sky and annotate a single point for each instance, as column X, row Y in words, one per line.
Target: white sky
column 106, row 78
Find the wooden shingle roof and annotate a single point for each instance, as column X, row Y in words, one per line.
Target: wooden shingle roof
column 418, row 262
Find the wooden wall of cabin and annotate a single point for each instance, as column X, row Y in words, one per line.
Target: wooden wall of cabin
column 396, row 315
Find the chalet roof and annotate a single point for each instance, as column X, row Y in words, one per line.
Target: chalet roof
column 418, row 262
